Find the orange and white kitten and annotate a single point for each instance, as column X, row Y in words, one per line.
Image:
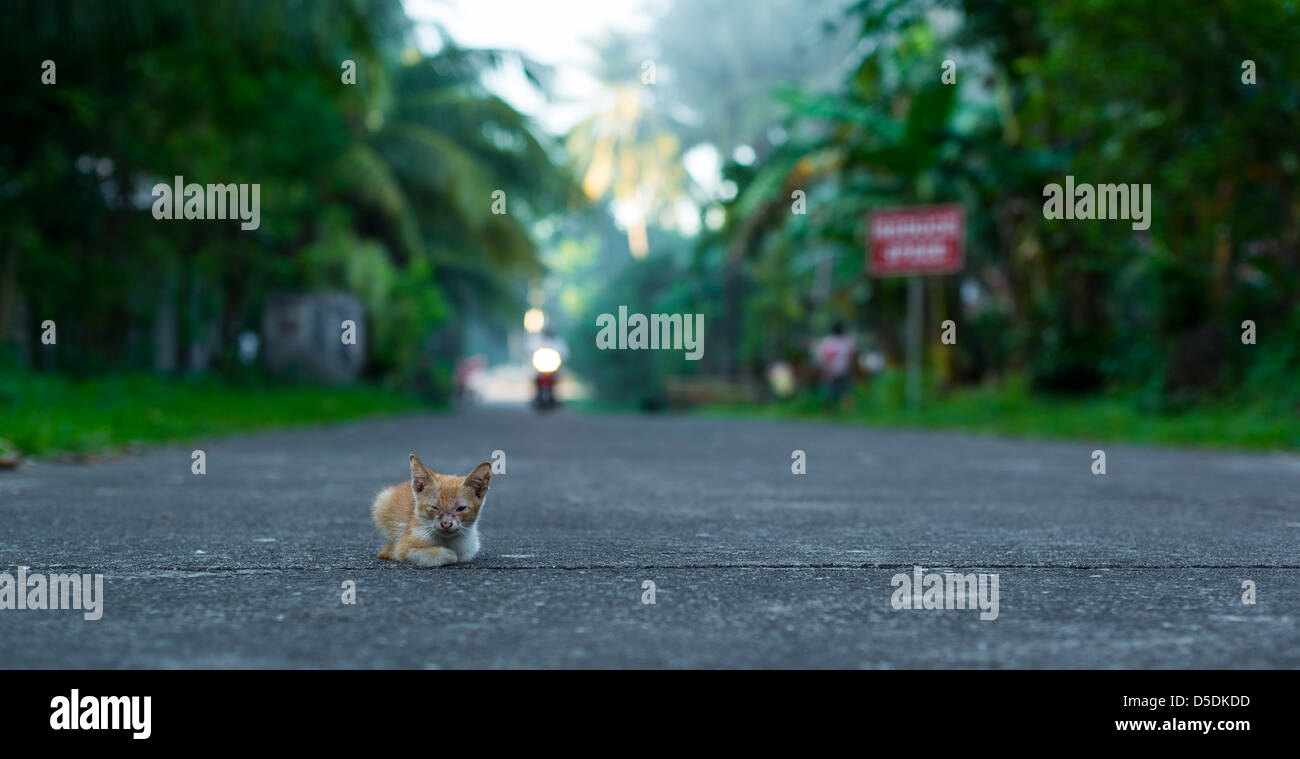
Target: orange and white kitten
column 433, row 519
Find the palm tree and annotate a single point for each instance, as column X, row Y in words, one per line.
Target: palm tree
column 628, row 150
column 453, row 177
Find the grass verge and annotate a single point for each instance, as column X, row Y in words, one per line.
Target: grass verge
column 42, row 415
column 1010, row 410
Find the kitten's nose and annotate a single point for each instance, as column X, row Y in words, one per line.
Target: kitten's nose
column 447, row 524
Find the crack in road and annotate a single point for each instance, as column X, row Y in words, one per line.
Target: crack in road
column 938, row 566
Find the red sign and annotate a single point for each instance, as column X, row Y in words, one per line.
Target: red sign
column 916, row 240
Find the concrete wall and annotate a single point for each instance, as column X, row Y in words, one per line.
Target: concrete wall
column 302, row 336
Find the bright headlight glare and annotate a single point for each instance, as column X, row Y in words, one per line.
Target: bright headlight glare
column 546, row 360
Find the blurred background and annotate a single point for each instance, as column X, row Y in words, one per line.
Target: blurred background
column 496, row 171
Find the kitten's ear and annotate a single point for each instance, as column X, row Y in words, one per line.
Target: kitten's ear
column 477, row 480
column 421, row 475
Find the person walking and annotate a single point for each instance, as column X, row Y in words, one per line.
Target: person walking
column 835, row 357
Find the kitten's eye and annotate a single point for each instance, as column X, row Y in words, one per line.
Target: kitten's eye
column 461, row 508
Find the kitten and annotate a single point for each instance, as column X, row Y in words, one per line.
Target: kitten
column 433, row 519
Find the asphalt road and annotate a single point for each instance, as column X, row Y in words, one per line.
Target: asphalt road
column 753, row 566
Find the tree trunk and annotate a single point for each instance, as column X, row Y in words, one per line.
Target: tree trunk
column 8, row 291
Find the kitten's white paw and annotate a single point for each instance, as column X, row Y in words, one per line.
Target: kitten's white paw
column 430, row 557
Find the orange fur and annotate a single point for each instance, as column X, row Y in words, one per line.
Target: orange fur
column 431, row 520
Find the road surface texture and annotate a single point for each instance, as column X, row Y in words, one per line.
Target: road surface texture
column 753, row 566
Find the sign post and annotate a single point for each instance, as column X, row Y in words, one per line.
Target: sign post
column 913, row 241
column 915, row 307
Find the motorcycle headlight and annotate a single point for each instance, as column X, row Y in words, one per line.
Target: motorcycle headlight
column 546, row 360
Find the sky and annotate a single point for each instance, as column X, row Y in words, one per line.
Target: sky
column 557, row 33
column 553, row 32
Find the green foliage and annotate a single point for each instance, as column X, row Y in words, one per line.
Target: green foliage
column 43, row 414
column 381, row 188
column 1013, row 409
column 657, row 284
column 1107, row 91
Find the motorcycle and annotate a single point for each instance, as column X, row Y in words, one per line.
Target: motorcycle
column 547, row 363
